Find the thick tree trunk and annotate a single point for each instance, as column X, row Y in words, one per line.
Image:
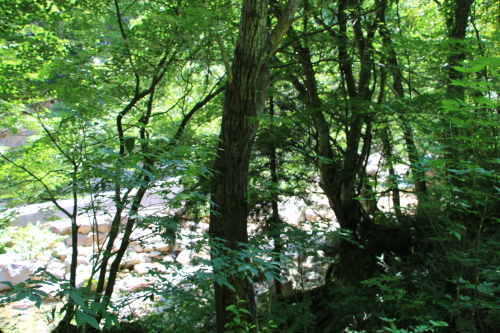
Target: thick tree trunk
column 246, row 94
column 245, row 101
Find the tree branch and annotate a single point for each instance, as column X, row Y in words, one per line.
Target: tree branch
column 225, row 58
column 198, row 106
column 40, row 180
column 285, row 21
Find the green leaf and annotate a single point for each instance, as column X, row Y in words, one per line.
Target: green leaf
column 7, row 283
column 244, row 310
column 142, row 170
column 253, row 270
column 81, row 318
column 232, row 308
column 40, row 293
column 269, row 275
column 78, row 299
column 460, row 69
column 477, row 68
column 438, row 323
column 37, row 299
column 223, row 282
column 129, row 144
column 456, row 234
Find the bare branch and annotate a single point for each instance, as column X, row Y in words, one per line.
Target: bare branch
column 52, row 197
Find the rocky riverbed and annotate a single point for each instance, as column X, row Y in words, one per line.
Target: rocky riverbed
column 146, row 252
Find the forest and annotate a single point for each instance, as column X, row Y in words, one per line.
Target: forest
column 384, row 112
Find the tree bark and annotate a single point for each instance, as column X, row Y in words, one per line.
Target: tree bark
column 457, row 21
column 245, row 98
column 275, row 223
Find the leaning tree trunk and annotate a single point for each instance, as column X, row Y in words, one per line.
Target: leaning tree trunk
column 246, row 93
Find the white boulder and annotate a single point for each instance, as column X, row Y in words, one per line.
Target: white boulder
column 60, row 250
column 144, row 268
column 16, row 273
column 56, row 268
column 184, row 257
column 59, row 227
column 8, row 258
column 132, row 259
column 80, row 260
column 89, row 224
column 310, row 215
column 81, row 240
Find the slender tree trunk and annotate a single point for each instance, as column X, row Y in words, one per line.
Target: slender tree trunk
column 358, row 93
column 276, row 225
column 341, row 184
column 393, row 181
column 397, row 87
column 338, row 180
column 328, row 163
column 457, row 21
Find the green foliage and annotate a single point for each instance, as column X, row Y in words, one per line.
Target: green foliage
column 128, row 80
column 184, row 308
column 248, row 262
column 421, row 328
column 237, row 322
column 28, row 242
column 86, row 311
column 5, row 217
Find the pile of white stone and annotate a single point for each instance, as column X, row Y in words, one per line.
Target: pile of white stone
column 146, row 251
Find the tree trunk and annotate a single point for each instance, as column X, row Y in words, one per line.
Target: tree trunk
column 391, row 59
column 457, row 21
column 246, row 93
column 339, row 178
column 275, row 223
